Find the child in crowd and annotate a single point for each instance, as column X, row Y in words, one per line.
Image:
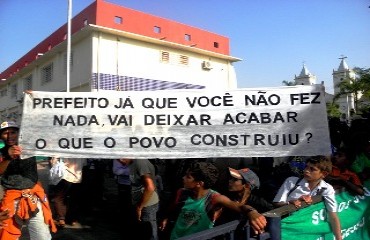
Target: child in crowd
column 342, row 176
column 296, row 190
column 197, row 206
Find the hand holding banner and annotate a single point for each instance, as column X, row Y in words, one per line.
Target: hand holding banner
column 265, row 122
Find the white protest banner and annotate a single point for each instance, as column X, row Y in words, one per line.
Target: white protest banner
column 266, row 122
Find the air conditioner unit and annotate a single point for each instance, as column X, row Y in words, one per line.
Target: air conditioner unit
column 206, row 65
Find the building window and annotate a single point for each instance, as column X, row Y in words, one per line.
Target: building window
column 165, row 57
column 176, row 59
column 183, row 60
column 47, row 74
column 118, row 20
column 27, row 85
column 215, row 44
column 157, row 29
column 187, row 37
column 13, row 90
column 65, row 36
column 85, row 22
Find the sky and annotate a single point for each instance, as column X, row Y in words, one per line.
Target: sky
column 274, row 38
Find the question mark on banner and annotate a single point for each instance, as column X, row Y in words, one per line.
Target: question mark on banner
column 309, row 137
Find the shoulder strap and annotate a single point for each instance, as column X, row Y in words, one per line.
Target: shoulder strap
column 295, row 186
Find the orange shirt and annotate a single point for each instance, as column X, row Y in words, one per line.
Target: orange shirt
column 346, row 175
column 27, row 206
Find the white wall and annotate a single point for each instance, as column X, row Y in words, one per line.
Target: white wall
column 129, row 57
column 109, row 54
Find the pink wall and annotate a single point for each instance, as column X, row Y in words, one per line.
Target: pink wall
column 143, row 24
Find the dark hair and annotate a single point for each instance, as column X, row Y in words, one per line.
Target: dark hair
column 205, row 172
column 322, row 162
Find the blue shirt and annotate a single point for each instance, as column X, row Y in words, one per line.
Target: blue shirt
column 122, row 172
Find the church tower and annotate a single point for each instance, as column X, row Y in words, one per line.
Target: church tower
column 305, row 77
column 345, row 102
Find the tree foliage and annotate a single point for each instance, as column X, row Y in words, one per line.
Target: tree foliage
column 332, row 110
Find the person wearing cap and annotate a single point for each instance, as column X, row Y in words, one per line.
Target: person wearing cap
column 241, row 184
column 24, row 196
column 197, row 205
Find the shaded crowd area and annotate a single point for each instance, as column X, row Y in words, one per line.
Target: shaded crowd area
column 101, row 222
column 98, row 213
column 99, row 217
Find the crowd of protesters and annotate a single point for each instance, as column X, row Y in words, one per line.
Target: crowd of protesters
column 168, row 198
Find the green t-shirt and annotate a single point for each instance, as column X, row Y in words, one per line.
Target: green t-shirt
column 361, row 162
column 195, row 215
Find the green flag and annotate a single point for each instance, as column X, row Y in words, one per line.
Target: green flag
column 311, row 223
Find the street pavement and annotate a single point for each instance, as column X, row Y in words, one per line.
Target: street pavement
column 100, row 224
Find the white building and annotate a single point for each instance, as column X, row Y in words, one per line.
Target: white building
column 346, row 102
column 116, row 48
column 305, row 77
column 343, row 73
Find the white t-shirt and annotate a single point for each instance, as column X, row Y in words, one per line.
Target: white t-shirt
column 323, row 188
column 73, row 169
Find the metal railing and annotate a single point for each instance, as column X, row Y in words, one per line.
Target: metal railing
column 228, row 231
column 240, row 230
